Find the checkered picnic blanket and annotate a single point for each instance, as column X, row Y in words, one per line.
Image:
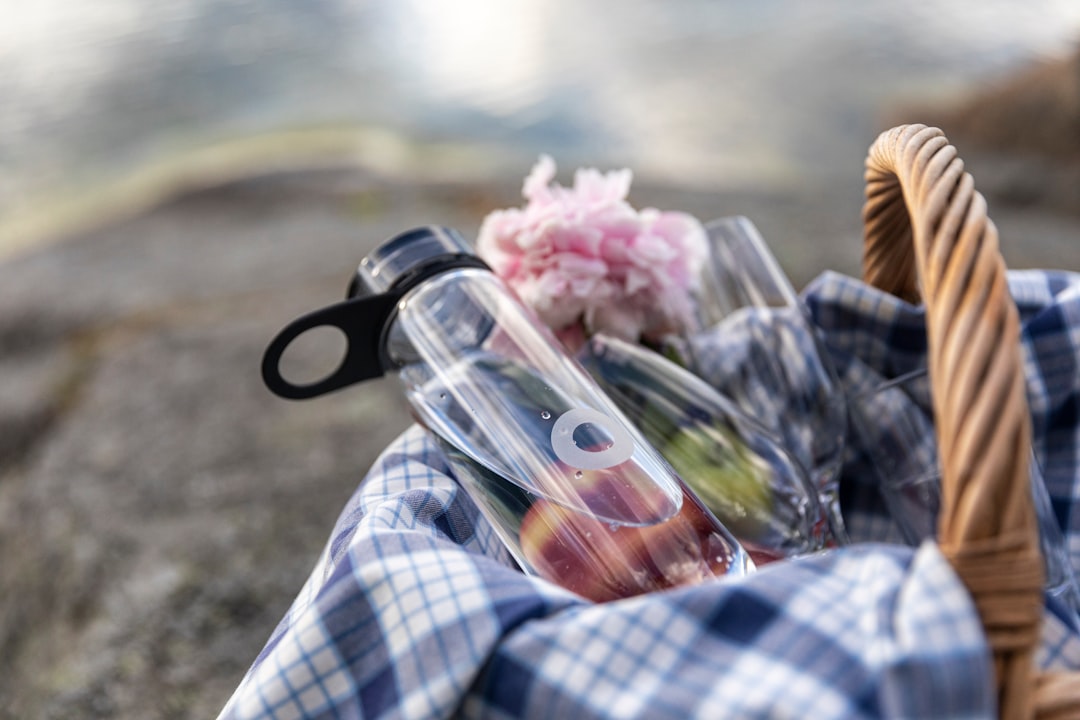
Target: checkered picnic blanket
column 415, row 610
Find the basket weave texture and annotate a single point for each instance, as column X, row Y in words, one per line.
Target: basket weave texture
column 928, row 237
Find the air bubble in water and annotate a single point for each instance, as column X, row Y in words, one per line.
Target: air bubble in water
column 579, row 474
column 546, row 415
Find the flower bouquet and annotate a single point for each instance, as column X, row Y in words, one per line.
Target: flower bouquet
column 587, row 262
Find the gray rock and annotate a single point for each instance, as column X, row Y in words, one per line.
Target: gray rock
column 158, row 506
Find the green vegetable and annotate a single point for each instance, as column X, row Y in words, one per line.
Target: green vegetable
column 726, row 475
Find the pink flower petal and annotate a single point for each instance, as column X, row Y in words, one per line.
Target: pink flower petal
column 583, row 257
column 536, row 183
column 621, row 321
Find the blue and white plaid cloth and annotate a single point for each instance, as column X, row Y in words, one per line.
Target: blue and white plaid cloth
column 415, row 610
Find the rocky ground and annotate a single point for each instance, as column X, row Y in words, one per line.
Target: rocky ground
column 159, row 508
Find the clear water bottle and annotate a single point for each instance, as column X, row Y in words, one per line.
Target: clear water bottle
column 573, row 489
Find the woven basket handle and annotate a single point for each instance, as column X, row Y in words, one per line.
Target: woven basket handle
column 927, row 234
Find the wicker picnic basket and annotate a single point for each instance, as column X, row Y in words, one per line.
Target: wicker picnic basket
column 928, row 237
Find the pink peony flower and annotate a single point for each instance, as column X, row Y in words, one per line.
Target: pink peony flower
column 588, row 262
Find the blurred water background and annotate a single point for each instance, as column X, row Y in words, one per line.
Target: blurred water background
column 105, row 103
column 180, row 178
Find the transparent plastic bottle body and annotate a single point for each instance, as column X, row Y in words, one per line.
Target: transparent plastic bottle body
column 571, row 486
column 575, row 492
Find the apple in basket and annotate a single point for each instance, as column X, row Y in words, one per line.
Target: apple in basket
column 603, row 560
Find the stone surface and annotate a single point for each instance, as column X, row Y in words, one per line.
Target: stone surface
column 158, row 507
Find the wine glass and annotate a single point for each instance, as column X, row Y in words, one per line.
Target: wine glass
column 737, row 467
column 759, row 347
column 893, row 425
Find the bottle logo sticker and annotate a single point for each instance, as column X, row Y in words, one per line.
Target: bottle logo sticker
column 617, row 449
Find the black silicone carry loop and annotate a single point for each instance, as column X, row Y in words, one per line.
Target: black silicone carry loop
column 361, row 320
column 364, row 321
